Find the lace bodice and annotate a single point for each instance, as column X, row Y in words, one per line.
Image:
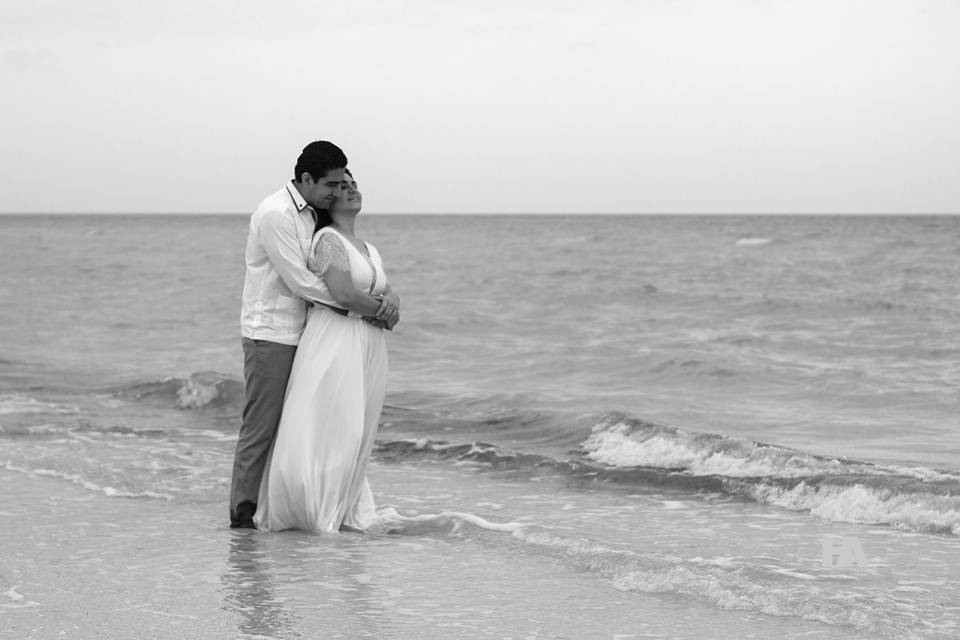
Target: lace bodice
column 331, row 249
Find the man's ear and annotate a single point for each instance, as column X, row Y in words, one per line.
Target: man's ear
column 306, row 178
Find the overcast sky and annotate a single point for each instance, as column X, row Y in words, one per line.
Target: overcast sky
column 496, row 106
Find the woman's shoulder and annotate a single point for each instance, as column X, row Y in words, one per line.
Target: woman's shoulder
column 327, row 250
column 325, row 232
column 326, row 242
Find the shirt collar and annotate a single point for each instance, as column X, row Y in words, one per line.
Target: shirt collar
column 298, row 200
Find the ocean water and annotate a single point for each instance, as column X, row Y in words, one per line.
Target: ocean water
column 646, row 426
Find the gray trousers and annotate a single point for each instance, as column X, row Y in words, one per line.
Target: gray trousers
column 266, row 369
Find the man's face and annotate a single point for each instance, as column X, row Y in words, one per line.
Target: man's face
column 322, row 193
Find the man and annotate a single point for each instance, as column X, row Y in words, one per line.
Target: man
column 276, row 289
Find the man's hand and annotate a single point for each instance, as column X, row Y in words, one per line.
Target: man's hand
column 388, row 315
column 388, row 322
column 377, row 322
column 389, row 306
column 392, row 320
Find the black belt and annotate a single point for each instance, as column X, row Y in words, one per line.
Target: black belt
column 342, row 312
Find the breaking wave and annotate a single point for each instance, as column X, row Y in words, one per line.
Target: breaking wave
column 627, row 451
column 202, row 390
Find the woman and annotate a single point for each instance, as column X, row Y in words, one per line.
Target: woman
column 316, row 476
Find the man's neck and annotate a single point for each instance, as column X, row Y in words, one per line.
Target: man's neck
column 299, row 188
column 302, row 204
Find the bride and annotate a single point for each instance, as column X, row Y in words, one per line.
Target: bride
column 315, row 477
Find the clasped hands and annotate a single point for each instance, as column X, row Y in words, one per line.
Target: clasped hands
column 388, row 315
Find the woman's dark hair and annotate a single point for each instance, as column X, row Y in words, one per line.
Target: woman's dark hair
column 323, row 219
column 317, row 158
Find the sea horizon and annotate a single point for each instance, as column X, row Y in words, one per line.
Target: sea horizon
column 503, row 214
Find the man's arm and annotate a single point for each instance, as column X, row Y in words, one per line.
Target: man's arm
column 278, row 237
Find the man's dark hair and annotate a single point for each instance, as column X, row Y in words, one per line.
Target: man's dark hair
column 317, row 158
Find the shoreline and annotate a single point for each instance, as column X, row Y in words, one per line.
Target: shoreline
column 83, row 565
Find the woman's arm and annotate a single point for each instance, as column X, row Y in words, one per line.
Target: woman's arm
column 333, row 266
column 340, row 284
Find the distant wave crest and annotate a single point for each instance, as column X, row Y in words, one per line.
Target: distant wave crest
column 753, row 242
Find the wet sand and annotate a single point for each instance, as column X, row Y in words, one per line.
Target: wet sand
column 79, row 564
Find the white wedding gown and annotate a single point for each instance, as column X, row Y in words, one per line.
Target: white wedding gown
column 316, row 475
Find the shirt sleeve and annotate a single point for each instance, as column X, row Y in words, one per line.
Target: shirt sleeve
column 329, row 252
column 278, row 236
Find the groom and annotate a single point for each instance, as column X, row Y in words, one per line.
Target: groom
column 276, row 289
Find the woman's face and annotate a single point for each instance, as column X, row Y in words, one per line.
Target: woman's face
column 351, row 200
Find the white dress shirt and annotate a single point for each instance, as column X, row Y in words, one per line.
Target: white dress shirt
column 278, row 284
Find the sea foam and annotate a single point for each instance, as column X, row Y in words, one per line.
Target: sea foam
column 77, row 479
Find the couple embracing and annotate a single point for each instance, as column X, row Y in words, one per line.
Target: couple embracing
column 316, row 304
